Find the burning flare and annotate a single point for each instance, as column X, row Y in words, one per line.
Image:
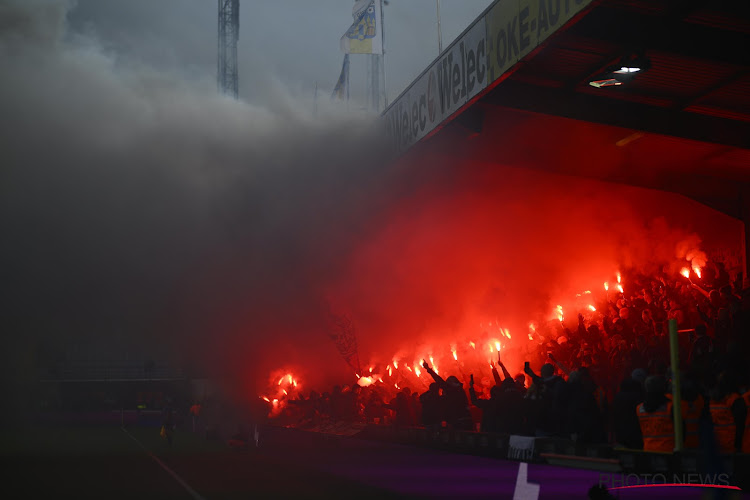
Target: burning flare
column 685, row 272
column 697, row 270
column 592, row 307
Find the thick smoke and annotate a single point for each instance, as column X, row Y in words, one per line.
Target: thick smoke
column 147, row 213
column 475, row 244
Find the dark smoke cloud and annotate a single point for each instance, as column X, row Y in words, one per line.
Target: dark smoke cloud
column 146, row 212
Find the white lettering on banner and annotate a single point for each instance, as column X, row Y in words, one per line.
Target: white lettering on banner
column 459, row 74
column 521, row 448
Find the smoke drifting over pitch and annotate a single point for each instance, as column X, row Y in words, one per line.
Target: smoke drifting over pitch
column 147, row 212
column 142, row 210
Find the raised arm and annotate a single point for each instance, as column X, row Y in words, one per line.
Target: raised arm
column 496, row 375
column 528, row 371
column 700, row 289
column 437, row 378
column 560, row 366
column 479, row 403
column 506, row 373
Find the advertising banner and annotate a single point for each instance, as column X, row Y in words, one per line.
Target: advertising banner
column 458, row 75
column 515, row 28
column 495, row 42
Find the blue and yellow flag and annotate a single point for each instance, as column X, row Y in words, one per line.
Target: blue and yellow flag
column 365, row 35
column 341, row 90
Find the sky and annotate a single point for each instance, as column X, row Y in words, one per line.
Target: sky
column 144, row 215
column 290, row 43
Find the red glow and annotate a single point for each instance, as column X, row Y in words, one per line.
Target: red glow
column 697, row 271
column 436, row 265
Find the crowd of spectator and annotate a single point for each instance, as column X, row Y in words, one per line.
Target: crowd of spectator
column 607, row 379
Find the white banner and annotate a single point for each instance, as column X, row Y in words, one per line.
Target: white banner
column 449, row 83
column 521, row 448
column 494, row 43
column 516, row 28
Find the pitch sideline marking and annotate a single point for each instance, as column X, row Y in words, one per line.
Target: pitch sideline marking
column 164, row 466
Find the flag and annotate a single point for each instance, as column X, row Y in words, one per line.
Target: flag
column 344, row 335
column 365, row 35
column 341, row 90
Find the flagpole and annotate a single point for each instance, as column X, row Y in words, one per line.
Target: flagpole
column 315, row 100
column 382, row 32
column 440, row 33
column 348, row 70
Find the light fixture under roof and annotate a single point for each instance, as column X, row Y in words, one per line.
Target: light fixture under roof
column 626, row 70
column 608, row 82
column 623, row 72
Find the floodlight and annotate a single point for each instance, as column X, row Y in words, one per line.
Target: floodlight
column 623, row 72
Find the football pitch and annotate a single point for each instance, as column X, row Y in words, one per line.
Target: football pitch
column 136, row 463
column 111, row 462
